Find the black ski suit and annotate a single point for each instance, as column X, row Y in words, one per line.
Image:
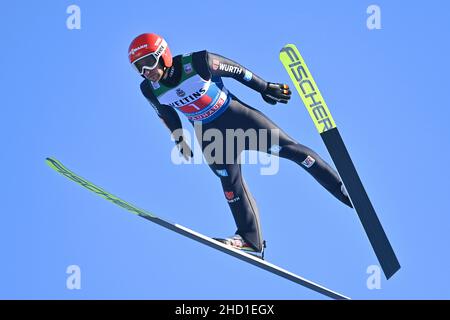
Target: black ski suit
column 238, row 115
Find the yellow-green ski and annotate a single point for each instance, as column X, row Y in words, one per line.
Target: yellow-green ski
column 318, row 110
column 239, row 254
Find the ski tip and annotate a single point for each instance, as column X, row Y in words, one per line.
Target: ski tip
column 289, row 45
column 52, row 163
column 50, row 160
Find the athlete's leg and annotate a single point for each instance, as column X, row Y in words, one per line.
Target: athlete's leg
column 240, row 200
column 290, row 149
column 241, row 203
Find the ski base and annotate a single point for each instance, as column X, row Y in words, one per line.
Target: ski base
column 361, row 202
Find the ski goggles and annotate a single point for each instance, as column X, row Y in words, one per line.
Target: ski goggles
column 150, row 61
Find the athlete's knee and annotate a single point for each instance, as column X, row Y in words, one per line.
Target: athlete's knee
column 294, row 150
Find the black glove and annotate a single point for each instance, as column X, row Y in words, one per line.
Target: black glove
column 184, row 149
column 276, row 92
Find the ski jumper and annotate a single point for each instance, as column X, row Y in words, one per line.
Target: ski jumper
column 193, row 86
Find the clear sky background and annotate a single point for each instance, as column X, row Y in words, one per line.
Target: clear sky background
column 72, row 94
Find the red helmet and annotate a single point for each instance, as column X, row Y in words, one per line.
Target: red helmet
column 149, row 46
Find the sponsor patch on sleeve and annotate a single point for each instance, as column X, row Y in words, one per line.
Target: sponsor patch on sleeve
column 248, row 75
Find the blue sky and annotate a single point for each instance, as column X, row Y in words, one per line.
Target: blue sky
column 71, row 94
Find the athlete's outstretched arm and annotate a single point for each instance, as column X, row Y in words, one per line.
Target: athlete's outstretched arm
column 170, row 118
column 219, row 66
